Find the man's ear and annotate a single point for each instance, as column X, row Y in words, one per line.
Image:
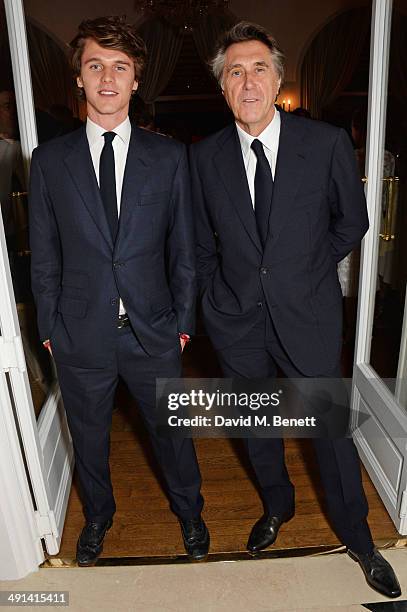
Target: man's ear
column 135, row 85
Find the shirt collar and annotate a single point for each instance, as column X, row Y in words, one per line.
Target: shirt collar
column 268, row 137
column 94, row 131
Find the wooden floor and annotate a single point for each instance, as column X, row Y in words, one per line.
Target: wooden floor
column 145, row 527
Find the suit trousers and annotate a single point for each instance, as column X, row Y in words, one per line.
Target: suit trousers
column 88, row 396
column 257, row 355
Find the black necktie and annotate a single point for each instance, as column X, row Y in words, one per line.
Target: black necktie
column 107, row 182
column 263, row 191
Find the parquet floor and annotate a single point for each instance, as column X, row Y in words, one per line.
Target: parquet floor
column 145, row 527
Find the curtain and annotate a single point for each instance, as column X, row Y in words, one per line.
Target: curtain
column 164, row 44
column 208, row 32
column 50, row 71
column 332, row 58
column 398, row 57
column 6, row 75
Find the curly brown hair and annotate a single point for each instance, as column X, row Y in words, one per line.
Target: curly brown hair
column 112, row 32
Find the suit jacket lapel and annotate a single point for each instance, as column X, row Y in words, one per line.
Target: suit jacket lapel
column 289, row 171
column 229, row 163
column 138, row 168
column 80, row 167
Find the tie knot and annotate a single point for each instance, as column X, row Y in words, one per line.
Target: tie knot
column 109, row 137
column 257, row 147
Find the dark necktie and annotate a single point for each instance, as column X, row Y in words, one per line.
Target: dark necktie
column 107, row 183
column 263, row 191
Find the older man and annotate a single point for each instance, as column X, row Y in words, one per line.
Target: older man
column 278, row 203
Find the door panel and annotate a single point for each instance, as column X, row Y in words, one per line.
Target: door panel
column 380, row 345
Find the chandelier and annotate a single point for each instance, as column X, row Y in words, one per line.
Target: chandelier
column 184, row 14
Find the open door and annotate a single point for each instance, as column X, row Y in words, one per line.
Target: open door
column 29, row 374
column 380, row 369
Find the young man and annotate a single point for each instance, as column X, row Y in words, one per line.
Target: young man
column 113, row 275
column 278, row 202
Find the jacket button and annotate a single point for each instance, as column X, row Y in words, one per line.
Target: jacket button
column 114, row 301
column 264, row 270
column 260, row 304
column 118, row 264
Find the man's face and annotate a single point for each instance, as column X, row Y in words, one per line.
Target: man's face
column 108, row 78
column 7, row 113
column 250, row 85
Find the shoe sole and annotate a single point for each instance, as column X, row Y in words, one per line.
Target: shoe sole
column 198, row 559
column 90, row 564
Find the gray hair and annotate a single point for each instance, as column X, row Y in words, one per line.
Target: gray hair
column 242, row 32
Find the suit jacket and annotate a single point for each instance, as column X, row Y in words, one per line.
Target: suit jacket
column 318, row 215
column 78, row 274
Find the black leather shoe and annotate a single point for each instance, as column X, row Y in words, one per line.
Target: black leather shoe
column 264, row 532
column 90, row 543
column 196, row 538
column 378, row 572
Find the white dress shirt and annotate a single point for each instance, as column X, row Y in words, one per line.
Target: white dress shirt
column 269, row 138
column 121, row 141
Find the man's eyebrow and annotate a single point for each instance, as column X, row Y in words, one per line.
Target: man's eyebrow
column 230, row 66
column 237, row 65
column 117, row 61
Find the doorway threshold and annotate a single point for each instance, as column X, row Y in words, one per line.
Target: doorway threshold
column 282, row 553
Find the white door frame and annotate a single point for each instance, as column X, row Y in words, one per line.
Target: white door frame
column 46, row 444
column 22, row 78
column 20, row 544
column 381, row 439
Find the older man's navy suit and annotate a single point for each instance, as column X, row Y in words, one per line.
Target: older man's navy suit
column 281, row 305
